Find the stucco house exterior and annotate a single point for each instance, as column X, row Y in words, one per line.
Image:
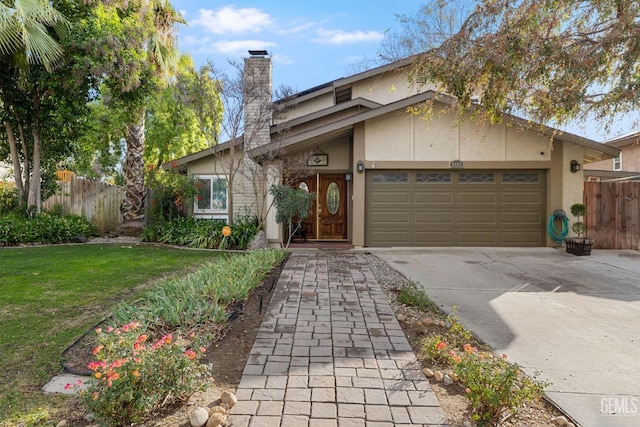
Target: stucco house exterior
column 386, row 176
column 622, row 167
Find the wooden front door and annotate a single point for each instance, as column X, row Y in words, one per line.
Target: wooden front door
column 331, row 204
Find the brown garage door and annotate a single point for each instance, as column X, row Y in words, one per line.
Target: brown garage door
column 455, row 208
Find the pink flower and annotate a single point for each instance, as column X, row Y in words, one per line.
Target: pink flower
column 203, row 350
column 441, row 345
column 504, row 356
column 67, row 386
column 97, row 349
column 190, row 354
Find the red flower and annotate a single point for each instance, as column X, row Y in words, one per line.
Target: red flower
column 441, row 345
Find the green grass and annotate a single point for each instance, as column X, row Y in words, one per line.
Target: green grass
column 50, row 295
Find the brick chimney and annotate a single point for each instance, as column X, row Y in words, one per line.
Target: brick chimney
column 257, row 99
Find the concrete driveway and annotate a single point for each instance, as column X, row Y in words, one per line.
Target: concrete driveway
column 574, row 319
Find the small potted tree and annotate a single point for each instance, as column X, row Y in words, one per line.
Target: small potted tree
column 579, row 245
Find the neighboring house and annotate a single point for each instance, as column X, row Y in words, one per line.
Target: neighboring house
column 385, row 176
column 623, row 167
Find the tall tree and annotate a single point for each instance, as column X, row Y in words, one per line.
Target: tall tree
column 136, row 43
column 41, row 97
column 553, row 60
column 173, row 125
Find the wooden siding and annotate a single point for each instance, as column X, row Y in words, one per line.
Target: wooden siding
column 95, row 200
column 613, row 214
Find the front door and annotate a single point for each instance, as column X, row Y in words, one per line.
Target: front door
column 331, row 204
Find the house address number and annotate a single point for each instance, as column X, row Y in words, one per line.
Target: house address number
column 456, row 164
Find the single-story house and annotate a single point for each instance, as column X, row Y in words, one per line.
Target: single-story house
column 626, row 166
column 386, row 175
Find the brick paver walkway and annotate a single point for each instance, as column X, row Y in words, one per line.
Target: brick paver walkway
column 331, row 353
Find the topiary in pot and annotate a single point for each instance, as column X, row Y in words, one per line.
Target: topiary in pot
column 579, row 245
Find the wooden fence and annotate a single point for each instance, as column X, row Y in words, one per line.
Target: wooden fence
column 95, row 200
column 613, row 214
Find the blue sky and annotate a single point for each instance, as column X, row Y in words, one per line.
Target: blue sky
column 310, row 42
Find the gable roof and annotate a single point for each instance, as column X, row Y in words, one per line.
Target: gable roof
column 624, row 140
column 593, row 149
column 213, row 150
column 344, row 81
column 364, row 109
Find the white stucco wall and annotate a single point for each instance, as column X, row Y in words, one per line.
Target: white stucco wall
column 387, row 87
column 572, row 183
column 401, row 136
column 306, row 107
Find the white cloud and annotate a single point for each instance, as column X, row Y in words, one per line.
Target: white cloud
column 191, row 40
column 344, row 37
column 295, row 28
column 241, row 46
column 229, row 20
column 282, row 59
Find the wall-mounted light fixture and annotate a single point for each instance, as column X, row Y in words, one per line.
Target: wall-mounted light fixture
column 360, row 166
column 574, row 166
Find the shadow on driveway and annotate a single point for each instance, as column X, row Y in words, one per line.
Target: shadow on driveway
column 574, row 319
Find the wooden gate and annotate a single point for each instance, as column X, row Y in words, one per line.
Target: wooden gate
column 613, row 214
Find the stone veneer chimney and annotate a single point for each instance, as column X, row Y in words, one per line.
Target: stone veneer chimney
column 257, row 99
column 254, row 197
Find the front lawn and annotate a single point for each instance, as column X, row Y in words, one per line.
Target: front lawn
column 50, row 295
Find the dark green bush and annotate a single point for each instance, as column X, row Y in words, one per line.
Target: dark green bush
column 43, row 228
column 202, row 233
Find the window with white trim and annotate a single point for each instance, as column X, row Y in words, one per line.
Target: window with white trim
column 213, row 196
column 617, row 163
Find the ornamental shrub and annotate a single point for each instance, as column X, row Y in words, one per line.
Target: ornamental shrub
column 495, row 388
column 133, row 377
column 43, row 228
column 9, row 200
column 201, row 233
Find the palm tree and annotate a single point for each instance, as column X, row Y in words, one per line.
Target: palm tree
column 162, row 58
column 25, row 39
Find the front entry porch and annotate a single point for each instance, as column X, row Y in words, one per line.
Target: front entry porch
column 327, row 219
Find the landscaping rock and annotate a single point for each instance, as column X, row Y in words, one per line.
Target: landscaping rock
column 560, row 421
column 89, row 418
column 62, row 423
column 401, row 318
column 428, row 372
column 79, row 238
column 447, row 380
column 228, row 398
column 454, row 377
column 216, row 420
column 438, row 376
column 199, row 417
column 218, row 409
column 259, row 241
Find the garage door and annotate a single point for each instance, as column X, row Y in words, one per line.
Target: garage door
column 455, row 208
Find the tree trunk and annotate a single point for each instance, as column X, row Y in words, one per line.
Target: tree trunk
column 17, row 170
column 35, row 184
column 133, row 205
